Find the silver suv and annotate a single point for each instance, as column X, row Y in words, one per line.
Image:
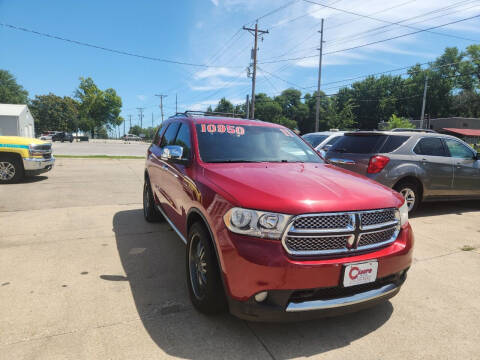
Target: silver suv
column 420, row 166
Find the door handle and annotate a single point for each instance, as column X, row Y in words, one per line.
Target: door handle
column 342, row 161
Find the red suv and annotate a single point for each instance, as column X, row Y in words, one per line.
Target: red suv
column 273, row 232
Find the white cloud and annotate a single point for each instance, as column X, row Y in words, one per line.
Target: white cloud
column 215, row 72
column 214, row 2
column 214, row 84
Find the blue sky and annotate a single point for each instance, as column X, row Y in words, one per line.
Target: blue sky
column 208, row 32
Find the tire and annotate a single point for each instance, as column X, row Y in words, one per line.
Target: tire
column 410, row 192
column 150, row 213
column 11, row 169
column 203, row 274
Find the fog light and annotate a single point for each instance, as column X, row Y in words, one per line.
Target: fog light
column 261, row 296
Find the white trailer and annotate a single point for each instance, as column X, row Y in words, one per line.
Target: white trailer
column 16, row 120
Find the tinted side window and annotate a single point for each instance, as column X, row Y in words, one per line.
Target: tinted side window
column 158, row 135
column 314, row 140
column 393, row 143
column 430, row 146
column 183, row 139
column 358, row 144
column 458, row 150
column 333, row 140
column 170, row 134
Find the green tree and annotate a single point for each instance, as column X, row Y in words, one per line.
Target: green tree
column 97, row 108
column 343, row 119
column 10, row 91
column 224, row 106
column 53, row 112
column 399, row 122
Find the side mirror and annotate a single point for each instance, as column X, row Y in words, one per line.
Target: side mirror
column 173, row 153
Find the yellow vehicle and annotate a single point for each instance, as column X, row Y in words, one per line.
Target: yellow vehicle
column 20, row 156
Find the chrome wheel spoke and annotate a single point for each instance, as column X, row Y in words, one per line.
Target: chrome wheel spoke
column 7, row 171
column 198, row 267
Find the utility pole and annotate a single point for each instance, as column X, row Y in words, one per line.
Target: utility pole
column 140, row 115
column 152, row 119
column 176, row 103
column 161, row 104
column 255, row 33
column 422, row 117
column 123, row 126
column 130, row 118
column 247, row 114
column 317, row 107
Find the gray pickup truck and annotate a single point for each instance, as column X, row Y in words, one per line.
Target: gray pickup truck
column 421, row 166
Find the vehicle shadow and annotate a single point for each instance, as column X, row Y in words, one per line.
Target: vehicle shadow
column 29, row 179
column 446, row 207
column 153, row 258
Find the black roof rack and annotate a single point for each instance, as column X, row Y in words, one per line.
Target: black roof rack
column 190, row 113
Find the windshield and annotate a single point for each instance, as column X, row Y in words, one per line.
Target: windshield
column 222, row 143
column 314, row 139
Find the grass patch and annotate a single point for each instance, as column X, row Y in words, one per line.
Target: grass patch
column 99, row 157
column 467, row 248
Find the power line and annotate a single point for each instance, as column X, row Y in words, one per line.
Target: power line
column 371, row 43
column 377, row 29
column 120, row 52
column 399, row 23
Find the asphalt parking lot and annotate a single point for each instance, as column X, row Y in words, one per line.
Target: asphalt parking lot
column 83, row 276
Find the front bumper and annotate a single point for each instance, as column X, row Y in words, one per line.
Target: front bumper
column 289, row 305
column 35, row 166
column 253, row 265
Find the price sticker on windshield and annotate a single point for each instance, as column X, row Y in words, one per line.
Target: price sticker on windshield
column 222, row 129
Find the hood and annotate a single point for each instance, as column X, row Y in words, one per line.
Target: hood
column 296, row 188
column 18, row 140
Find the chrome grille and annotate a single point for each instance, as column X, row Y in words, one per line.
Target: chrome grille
column 377, row 217
column 376, row 237
column 340, row 221
column 340, row 233
column 316, row 243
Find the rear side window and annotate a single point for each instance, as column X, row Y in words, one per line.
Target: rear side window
column 183, row 140
column 430, row 147
column 313, row 139
column 170, row 134
column 393, row 143
column 358, row 144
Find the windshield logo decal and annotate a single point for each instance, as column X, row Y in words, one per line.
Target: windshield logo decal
column 221, row 129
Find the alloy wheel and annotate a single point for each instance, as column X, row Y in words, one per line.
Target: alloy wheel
column 146, row 199
column 198, row 267
column 409, row 196
column 7, row 171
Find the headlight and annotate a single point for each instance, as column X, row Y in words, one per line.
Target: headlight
column 402, row 214
column 33, row 151
column 39, row 149
column 256, row 223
